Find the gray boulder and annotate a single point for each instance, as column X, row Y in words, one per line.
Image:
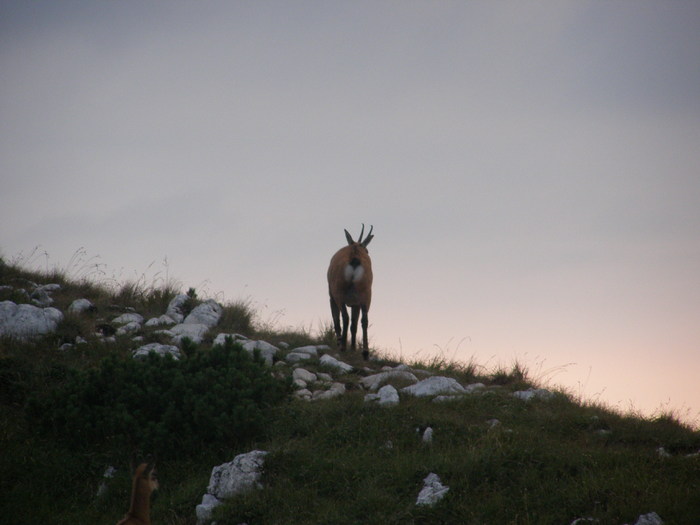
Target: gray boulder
column 237, row 477
column 161, row 350
column 434, row 386
column 338, row 366
column 533, row 393
column 195, row 332
column 81, row 305
column 433, row 491
column 25, row 321
column 373, row 382
column 267, row 351
column 208, row 313
column 128, row 318
column 176, row 308
column 387, row 396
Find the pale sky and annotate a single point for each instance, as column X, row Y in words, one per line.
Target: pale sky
column 530, row 169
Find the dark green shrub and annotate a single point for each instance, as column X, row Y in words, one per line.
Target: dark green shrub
column 213, row 400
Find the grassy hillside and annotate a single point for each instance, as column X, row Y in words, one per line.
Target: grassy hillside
column 337, row 461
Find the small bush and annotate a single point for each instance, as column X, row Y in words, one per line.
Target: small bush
column 215, row 399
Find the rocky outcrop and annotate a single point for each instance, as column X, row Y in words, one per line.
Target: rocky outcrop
column 229, row 479
column 26, row 321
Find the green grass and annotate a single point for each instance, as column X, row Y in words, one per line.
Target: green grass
column 342, row 461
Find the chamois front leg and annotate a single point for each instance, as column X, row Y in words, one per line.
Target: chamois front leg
column 365, row 323
column 335, row 311
column 353, row 327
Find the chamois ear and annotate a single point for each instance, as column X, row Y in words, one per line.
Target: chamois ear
column 349, row 237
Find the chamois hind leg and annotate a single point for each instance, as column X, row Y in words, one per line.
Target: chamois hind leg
column 353, row 327
column 335, row 312
column 365, row 323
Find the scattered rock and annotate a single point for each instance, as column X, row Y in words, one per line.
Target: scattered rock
column 267, row 351
column 331, row 362
column 208, row 313
column 176, row 308
column 428, row 435
column 649, row 519
column 25, row 321
column 304, row 375
column 128, row 318
column 387, row 396
column 336, row 389
column 433, row 491
column 194, row 332
column 373, row 382
column 40, row 296
column 237, row 477
column 108, row 474
column 303, row 393
column 221, row 338
column 80, row 306
column 533, row 393
column 297, row 357
column 433, row 386
column 161, row 350
column 129, row 328
column 160, row 321
column 309, row 350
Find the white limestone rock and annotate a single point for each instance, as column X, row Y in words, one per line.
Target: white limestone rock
column 25, row 321
column 309, row 350
column 304, row 375
column 330, row 361
column 649, row 519
column 267, row 351
column 336, row 389
column 176, row 308
column 297, row 357
column 434, row 386
column 373, row 382
column 160, row 321
column 387, row 396
column 238, row 476
column 533, row 393
column 161, row 350
column 208, row 313
column 433, row 491
column 221, row 338
column 40, row 296
column 303, row 393
column 204, row 510
column 229, row 479
column 80, row 306
column 194, row 332
column 129, row 328
column 128, row 318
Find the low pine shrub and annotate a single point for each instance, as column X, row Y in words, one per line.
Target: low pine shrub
column 213, row 400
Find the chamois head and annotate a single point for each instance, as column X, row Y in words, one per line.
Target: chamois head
column 350, row 284
column 145, row 482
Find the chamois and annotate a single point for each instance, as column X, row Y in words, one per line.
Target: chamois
column 144, row 483
column 350, row 284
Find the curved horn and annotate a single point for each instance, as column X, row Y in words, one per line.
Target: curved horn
column 361, row 233
column 348, row 237
column 369, row 237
